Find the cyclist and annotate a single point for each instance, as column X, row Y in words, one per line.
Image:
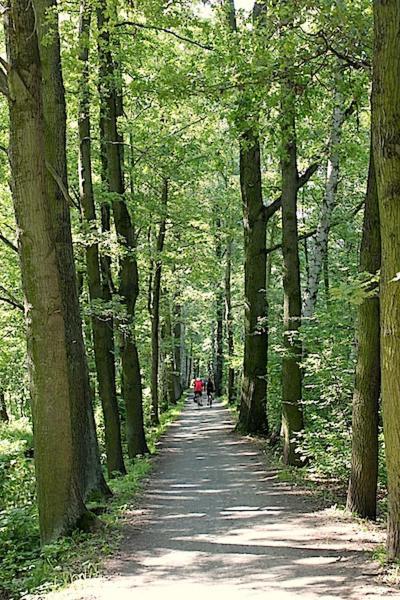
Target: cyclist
column 210, row 391
column 198, row 391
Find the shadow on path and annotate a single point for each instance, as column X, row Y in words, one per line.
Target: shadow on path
column 217, row 521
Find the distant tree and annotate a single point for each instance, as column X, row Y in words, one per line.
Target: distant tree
column 112, row 154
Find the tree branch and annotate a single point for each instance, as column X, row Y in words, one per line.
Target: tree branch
column 8, row 243
column 61, row 185
column 308, row 234
column 10, row 299
column 272, row 208
column 352, row 62
column 165, row 30
column 13, row 304
column 308, row 173
column 4, row 83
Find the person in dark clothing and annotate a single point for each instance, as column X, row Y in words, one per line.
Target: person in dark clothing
column 210, row 391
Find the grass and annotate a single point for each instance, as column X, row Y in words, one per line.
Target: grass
column 390, row 571
column 25, row 567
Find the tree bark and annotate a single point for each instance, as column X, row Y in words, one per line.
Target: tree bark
column 102, row 326
column 292, row 413
column 177, row 350
column 56, row 162
column 219, row 348
column 229, row 323
column 361, row 497
column 4, row 418
column 386, row 140
column 168, row 355
column 60, row 454
column 253, row 413
column 110, row 100
column 155, row 307
column 190, row 366
column 253, row 402
column 319, row 246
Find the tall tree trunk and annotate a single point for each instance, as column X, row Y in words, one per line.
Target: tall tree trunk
column 56, row 162
column 190, row 366
column 102, row 326
column 386, row 136
column 4, row 418
column 110, row 100
column 253, row 403
column 60, row 451
column 177, row 349
column 155, row 307
column 292, row 413
column 253, row 413
column 219, row 358
column 229, row 323
column 361, row 497
column 319, row 245
column 169, row 356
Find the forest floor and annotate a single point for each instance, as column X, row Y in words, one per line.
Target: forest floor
column 215, row 519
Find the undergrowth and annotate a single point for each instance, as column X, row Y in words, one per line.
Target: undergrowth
column 25, row 568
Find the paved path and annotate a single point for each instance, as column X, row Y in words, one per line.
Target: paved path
column 218, row 524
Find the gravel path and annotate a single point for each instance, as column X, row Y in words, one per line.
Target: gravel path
column 216, row 521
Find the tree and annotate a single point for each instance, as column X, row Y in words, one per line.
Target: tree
column 292, row 412
column 155, row 305
column 361, row 496
column 253, row 414
column 318, row 255
column 231, row 392
column 60, row 452
column 99, row 289
column 386, row 132
column 3, row 408
column 219, row 342
column 54, row 111
column 112, row 149
column 178, row 349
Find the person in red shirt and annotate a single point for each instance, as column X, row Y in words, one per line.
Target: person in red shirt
column 198, row 391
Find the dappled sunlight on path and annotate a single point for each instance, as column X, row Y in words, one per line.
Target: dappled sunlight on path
column 215, row 520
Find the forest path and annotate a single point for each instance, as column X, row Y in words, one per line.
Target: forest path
column 216, row 520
